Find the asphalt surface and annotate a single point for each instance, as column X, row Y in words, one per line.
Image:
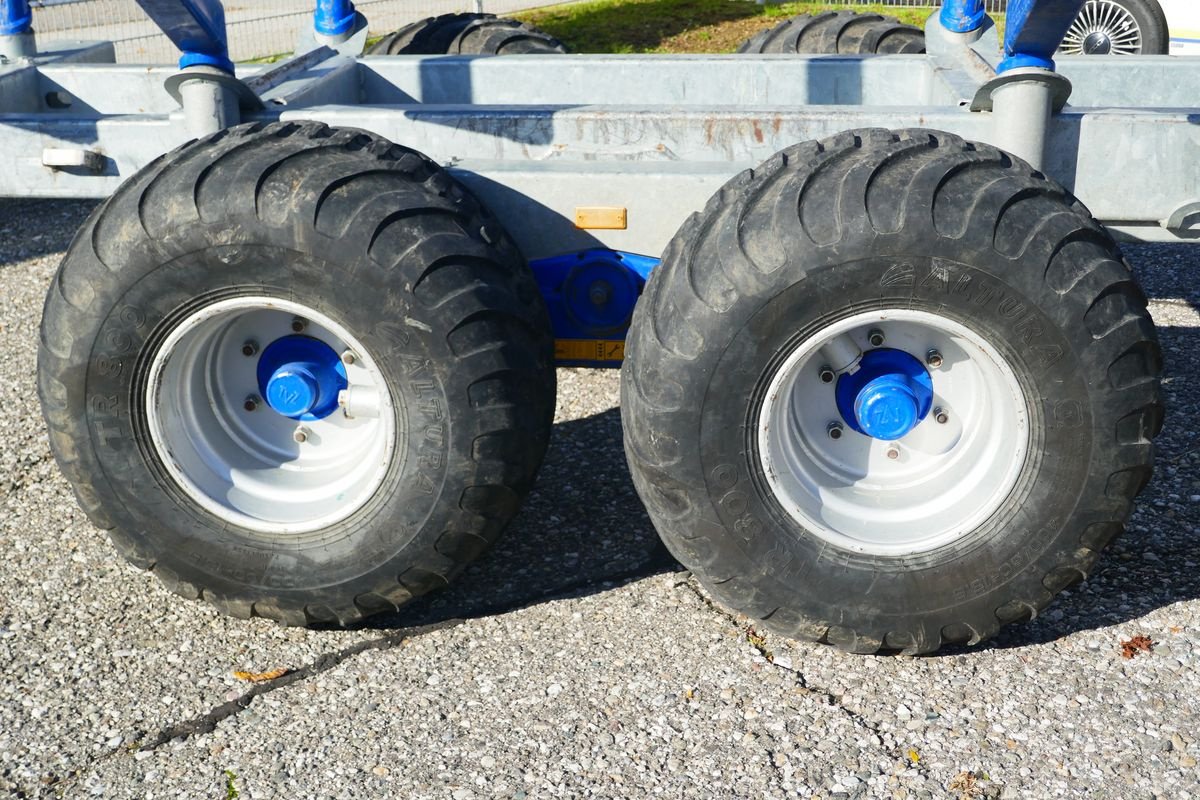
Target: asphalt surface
column 575, row 660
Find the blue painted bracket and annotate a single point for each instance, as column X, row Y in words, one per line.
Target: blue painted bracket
column 962, row 16
column 197, row 27
column 333, row 17
column 15, row 17
column 590, row 296
column 1033, row 31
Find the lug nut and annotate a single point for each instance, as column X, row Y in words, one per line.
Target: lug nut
column 834, row 429
column 941, row 416
column 249, row 348
column 299, row 324
column 827, row 374
column 893, row 452
column 933, row 358
column 300, row 435
column 875, row 337
column 251, row 403
column 348, row 357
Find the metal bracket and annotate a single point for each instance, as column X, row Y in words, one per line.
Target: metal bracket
column 1185, row 218
column 1060, row 87
column 247, row 99
column 67, row 158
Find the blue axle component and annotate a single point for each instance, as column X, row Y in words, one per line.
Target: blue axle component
column 197, row 27
column 300, row 377
column 887, row 397
column 590, row 296
column 333, row 17
column 962, row 16
column 15, row 17
column 1033, row 30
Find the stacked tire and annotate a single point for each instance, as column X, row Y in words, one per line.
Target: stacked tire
column 838, row 32
column 467, row 34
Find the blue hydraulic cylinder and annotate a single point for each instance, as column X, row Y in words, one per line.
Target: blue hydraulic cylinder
column 962, row 16
column 1033, row 31
column 197, row 27
column 15, row 17
column 333, row 17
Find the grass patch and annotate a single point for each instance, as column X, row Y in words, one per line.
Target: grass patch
column 677, row 26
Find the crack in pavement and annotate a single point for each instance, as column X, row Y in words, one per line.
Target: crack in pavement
column 206, row 723
column 658, row 561
column 831, row 699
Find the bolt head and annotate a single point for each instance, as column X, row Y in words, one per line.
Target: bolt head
column 827, row 374
column 875, row 337
column 299, row 324
column 349, row 358
column 300, row 435
column 251, row 403
column 933, row 358
column 941, row 416
column 893, row 452
column 834, row 430
column 250, row 348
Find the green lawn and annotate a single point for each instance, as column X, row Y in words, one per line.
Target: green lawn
column 676, row 26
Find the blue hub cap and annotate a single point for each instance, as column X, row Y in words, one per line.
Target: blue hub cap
column 300, row 377
column 887, row 397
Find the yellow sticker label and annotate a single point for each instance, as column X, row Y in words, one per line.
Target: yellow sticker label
column 588, row 350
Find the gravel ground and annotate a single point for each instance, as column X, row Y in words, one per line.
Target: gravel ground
column 576, row 659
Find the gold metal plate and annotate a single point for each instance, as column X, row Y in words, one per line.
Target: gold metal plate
column 610, row 218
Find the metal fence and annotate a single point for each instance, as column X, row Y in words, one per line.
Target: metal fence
column 257, row 28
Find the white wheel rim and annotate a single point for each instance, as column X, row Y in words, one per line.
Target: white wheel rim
column 246, row 467
column 1107, row 22
column 947, row 478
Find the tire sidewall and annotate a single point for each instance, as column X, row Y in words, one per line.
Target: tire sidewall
column 802, row 569
column 175, row 531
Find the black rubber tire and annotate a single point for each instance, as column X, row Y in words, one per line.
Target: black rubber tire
column 870, row 219
column 467, row 34
column 1151, row 21
column 368, row 233
column 837, row 32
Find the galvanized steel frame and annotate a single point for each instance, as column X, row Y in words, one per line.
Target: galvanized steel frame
column 537, row 137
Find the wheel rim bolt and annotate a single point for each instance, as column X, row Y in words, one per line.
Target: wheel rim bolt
column 827, row 374
column 875, row 337
column 893, row 452
column 300, row 435
column 249, row 348
column 349, row 358
column 933, row 358
column 941, row 416
column 834, row 430
column 252, row 402
column 299, row 324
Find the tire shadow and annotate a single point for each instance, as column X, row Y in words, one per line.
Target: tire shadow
column 1154, row 564
column 582, row 530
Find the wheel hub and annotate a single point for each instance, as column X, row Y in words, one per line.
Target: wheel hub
column 300, row 377
column 313, row 462
column 1097, row 44
column 888, row 396
column 904, row 453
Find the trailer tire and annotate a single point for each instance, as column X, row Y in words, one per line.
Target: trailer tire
column 910, row 238
column 1118, row 27
column 837, row 32
column 467, row 34
column 326, row 239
